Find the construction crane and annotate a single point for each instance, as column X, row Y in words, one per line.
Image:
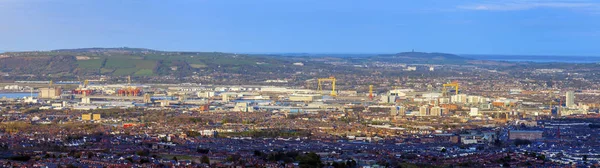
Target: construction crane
column 453, row 84
column 371, row 92
column 83, row 88
column 330, row 79
column 129, row 91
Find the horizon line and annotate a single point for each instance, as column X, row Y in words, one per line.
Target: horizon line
column 310, row 53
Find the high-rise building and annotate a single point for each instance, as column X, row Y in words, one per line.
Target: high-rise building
column 225, row 97
column 148, row 98
column 459, row 98
column 424, row 110
column 398, row 110
column 436, row 111
column 570, row 99
column 475, row 99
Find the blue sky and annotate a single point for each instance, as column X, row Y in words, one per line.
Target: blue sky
column 530, row 27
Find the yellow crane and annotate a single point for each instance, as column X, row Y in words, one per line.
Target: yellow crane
column 451, row 84
column 371, row 92
column 330, row 79
column 85, row 82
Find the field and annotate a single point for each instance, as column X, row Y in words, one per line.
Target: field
column 121, row 66
column 145, row 64
column 120, row 63
column 93, row 64
column 125, row 71
column 144, row 72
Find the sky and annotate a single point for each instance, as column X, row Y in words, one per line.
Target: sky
column 518, row 27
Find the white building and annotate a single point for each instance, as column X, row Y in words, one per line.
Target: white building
column 388, row 99
column 459, row 98
column 474, row 111
column 243, row 107
column 431, row 96
column 475, row 99
column 206, row 94
column 436, row 111
column 424, row 110
column 570, row 99
column 298, row 64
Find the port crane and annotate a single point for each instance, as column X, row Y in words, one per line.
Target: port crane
column 453, row 84
column 330, row 79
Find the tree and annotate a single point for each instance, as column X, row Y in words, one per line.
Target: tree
column 202, row 150
column 175, row 158
column 90, row 155
column 205, row 159
column 257, row 153
column 144, row 160
column 339, row 165
column 309, row 160
column 77, row 155
column 519, row 142
column 541, row 157
column 443, row 150
column 142, row 152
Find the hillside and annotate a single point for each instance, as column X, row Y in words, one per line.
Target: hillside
column 128, row 61
column 207, row 67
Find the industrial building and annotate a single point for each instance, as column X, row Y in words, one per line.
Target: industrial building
column 525, row 134
column 49, row 93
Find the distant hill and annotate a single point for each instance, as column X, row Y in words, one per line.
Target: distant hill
column 421, row 58
column 107, row 50
column 141, row 62
column 130, row 61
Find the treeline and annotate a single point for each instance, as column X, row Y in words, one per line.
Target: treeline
column 304, row 159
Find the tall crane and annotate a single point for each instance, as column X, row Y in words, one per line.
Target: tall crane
column 82, row 89
column 371, row 92
column 330, row 79
column 129, row 91
column 453, row 84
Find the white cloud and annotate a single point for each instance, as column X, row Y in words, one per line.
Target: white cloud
column 512, row 5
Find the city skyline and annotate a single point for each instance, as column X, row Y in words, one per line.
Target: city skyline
column 507, row 27
column 299, row 83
